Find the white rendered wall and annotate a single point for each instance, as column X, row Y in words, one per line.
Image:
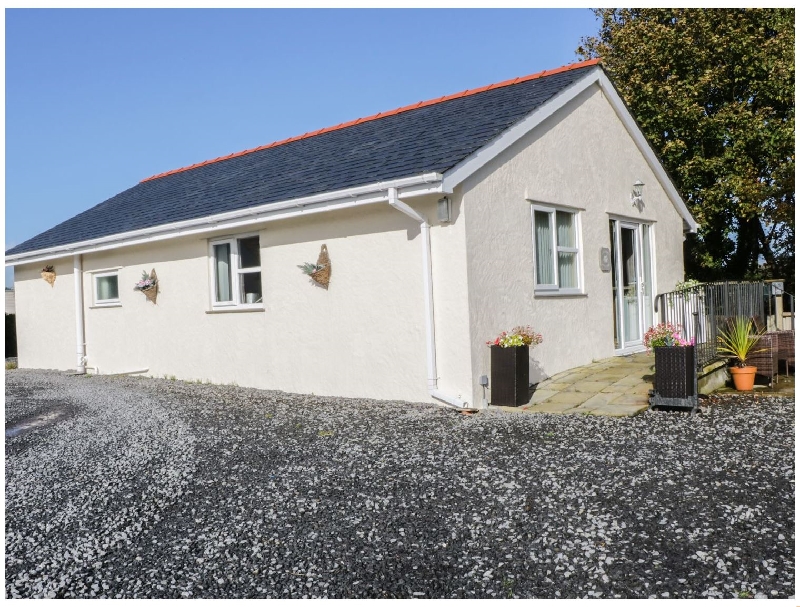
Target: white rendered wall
column 363, row 337
column 45, row 317
column 580, row 157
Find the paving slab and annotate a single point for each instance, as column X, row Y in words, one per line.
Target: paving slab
column 557, row 386
column 630, row 380
column 540, row 395
column 550, row 407
column 594, row 404
column 610, row 375
column 588, row 386
column 630, row 399
column 643, row 389
column 598, row 400
column 615, row 387
column 573, row 377
column 569, row 398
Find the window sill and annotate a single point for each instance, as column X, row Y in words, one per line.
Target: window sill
column 234, row 310
column 101, row 306
column 562, row 294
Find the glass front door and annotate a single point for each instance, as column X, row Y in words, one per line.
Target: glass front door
column 632, row 282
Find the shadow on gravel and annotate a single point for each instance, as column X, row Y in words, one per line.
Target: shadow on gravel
column 31, row 423
column 40, row 414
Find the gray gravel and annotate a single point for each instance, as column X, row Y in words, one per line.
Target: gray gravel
column 135, row 487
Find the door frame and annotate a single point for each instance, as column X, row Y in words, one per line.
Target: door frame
column 637, row 345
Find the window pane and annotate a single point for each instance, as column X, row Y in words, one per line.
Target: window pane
column 617, row 322
column 107, row 287
column 222, row 271
column 647, row 289
column 568, row 270
column 565, row 229
column 544, row 249
column 629, row 281
column 251, row 287
column 249, row 253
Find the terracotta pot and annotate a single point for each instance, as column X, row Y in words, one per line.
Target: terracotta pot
column 743, row 377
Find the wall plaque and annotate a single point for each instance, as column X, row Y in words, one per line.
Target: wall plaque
column 605, row 259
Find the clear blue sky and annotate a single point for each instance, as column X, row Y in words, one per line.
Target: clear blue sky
column 98, row 99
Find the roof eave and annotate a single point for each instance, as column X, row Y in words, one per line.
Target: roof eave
column 418, row 185
column 597, row 75
column 482, row 156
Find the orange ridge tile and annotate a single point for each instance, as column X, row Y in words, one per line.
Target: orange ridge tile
column 379, row 115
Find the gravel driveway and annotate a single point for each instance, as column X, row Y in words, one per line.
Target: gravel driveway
column 135, row 487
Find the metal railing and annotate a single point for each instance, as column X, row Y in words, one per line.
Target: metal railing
column 701, row 311
column 781, row 306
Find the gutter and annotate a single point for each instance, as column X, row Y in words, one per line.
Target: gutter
column 427, row 279
column 419, row 185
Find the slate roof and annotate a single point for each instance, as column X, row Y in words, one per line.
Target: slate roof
column 430, row 136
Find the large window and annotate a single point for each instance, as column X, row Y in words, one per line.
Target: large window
column 556, row 240
column 236, row 271
column 106, row 288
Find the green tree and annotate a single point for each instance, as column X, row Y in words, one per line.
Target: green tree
column 713, row 91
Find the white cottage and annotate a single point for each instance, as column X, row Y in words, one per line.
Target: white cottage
column 445, row 222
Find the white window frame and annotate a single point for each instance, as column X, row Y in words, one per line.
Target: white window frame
column 236, row 273
column 104, row 302
column 554, row 289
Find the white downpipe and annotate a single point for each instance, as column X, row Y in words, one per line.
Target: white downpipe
column 427, row 279
column 77, row 271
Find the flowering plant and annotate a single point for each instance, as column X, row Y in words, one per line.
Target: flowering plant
column 518, row 336
column 665, row 334
column 147, row 282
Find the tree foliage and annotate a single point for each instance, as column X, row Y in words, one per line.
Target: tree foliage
column 713, row 91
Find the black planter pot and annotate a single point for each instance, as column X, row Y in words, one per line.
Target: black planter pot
column 510, row 376
column 675, row 371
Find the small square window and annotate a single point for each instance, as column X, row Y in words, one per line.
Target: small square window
column 106, row 288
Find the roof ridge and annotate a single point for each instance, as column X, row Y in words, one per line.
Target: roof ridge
column 400, row 110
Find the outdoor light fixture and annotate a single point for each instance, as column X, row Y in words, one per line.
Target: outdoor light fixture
column 443, row 210
column 636, row 195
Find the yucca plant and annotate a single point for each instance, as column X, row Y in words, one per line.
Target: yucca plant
column 739, row 339
column 309, row 268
